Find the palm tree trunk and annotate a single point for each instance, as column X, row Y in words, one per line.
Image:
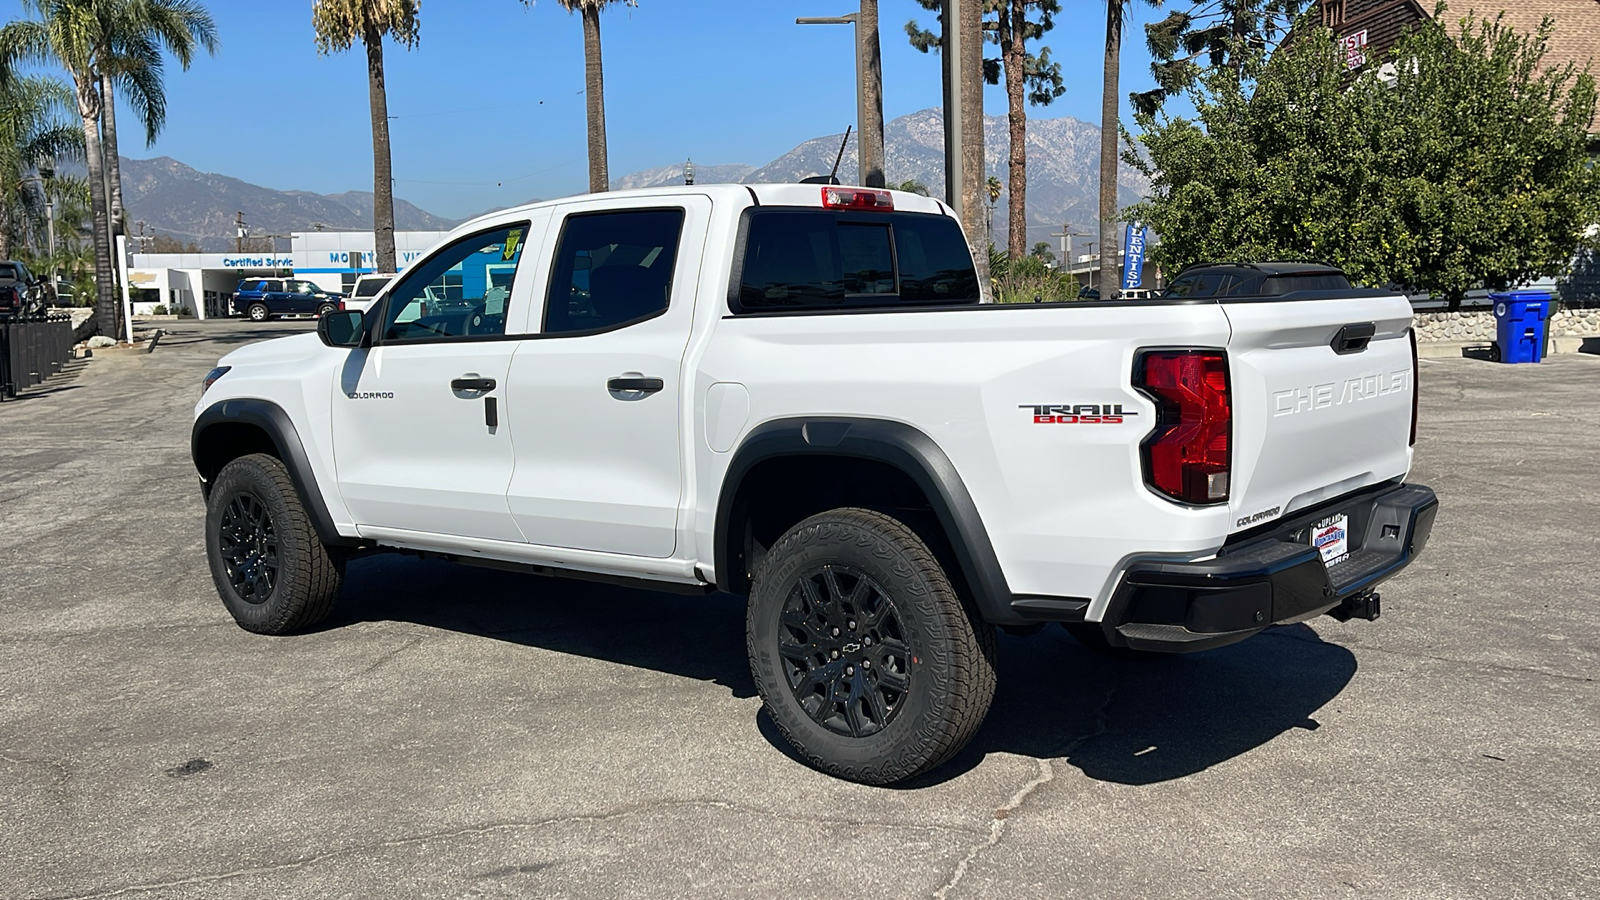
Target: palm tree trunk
column 1012, row 25
column 871, row 136
column 382, row 172
column 1108, row 150
column 974, row 186
column 108, row 132
column 89, row 107
column 595, row 92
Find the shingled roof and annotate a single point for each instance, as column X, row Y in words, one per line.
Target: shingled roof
column 1576, row 38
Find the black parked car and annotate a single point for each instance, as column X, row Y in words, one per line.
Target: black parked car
column 260, row 299
column 20, row 292
column 1255, row 280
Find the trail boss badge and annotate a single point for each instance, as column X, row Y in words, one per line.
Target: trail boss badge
column 1078, row 414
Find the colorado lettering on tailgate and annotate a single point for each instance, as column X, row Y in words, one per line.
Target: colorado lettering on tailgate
column 1078, row 413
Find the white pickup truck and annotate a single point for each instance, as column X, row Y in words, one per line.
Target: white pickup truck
column 793, row 393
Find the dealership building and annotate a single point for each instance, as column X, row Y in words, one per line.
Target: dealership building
column 204, row 282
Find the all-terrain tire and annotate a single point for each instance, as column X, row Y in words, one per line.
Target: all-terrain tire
column 255, row 522
column 257, row 312
column 889, row 597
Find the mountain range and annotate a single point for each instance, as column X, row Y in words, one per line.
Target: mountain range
column 1063, row 184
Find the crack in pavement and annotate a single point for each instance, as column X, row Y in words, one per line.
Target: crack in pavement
column 1002, row 816
column 61, row 770
column 513, row 825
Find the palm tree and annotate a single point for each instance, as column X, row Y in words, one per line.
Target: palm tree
column 339, row 24
column 178, row 26
column 594, row 88
column 80, row 35
column 33, row 130
column 1110, row 134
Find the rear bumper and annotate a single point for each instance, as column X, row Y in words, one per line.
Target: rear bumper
column 1271, row 576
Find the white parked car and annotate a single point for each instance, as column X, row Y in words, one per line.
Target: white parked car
column 793, row 393
column 366, row 290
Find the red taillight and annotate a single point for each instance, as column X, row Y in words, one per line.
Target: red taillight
column 1188, row 455
column 856, row 198
column 1414, row 386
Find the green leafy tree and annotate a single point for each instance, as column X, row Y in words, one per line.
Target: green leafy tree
column 1110, row 132
column 1462, row 162
column 1042, row 250
column 1188, row 43
column 1029, row 78
column 911, row 186
column 339, row 24
column 84, row 37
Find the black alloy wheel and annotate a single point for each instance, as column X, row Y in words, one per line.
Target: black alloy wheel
column 271, row 569
column 868, row 659
column 844, row 651
column 249, row 548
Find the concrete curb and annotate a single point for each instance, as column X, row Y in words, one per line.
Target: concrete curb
column 1456, row 349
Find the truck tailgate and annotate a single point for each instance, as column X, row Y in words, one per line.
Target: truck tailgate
column 1316, row 414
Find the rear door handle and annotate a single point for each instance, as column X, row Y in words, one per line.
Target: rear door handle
column 635, row 383
column 472, row 383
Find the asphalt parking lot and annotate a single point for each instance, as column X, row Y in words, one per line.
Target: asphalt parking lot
column 469, row 733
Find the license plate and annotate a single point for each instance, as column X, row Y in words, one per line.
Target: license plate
column 1331, row 537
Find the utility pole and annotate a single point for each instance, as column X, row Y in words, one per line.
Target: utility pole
column 238, row 224
column 688, row 171
column 950, row 65
column 869, row 88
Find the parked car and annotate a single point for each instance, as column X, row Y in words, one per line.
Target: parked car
column 20, row 292
column 260, row 299
column 1270, row 279
column 366, row 290
column 794, row 393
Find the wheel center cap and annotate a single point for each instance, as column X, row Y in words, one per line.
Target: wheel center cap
column 851, row 647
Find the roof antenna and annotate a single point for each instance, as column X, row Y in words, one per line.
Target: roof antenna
column 832, row 177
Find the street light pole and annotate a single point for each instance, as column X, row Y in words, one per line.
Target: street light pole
column 869, row 88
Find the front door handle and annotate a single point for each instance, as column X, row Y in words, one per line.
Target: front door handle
column 636, row 383
column 472, row 383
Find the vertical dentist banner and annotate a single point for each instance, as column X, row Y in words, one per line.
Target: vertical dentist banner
column 1133, row 255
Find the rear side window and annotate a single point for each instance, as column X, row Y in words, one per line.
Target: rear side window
column 369, row 287
column 1310, row 281
column 8, row 271
column 820, row 259
column 1198, row 284
column 612, row 269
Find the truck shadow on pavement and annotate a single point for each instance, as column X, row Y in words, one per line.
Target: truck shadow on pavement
column 1128, row 721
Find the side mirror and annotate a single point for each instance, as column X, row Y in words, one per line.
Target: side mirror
column 345, row 328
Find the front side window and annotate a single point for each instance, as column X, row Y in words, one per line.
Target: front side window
column 815, row 259
column 461, row 291
column 612, row 269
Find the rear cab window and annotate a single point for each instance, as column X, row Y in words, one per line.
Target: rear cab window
column 797, row 259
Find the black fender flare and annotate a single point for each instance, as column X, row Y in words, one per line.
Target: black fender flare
column 279, row 428
column 893, row 443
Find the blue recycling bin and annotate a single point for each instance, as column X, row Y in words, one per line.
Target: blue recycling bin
column 1520, row 319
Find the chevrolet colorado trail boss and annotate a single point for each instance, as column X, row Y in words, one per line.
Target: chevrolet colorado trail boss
column 793, row 393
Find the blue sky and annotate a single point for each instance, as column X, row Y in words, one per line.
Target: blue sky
column 489, row 109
